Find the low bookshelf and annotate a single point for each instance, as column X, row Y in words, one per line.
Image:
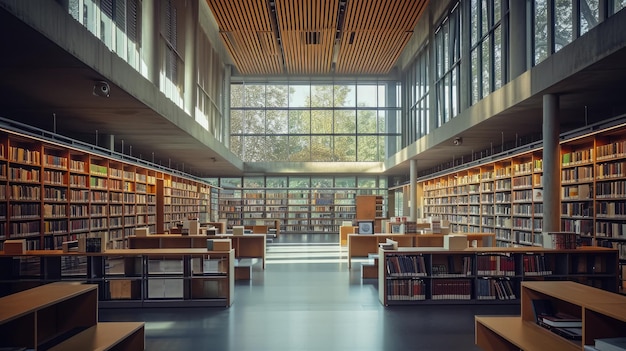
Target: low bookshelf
column 487, row 274
column 603, row 315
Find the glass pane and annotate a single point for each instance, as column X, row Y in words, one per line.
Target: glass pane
column 497, row 11
column 589, row 15
column 277, row 121
column 236, row 145
column 322, row 96
column 474, row 19
column 299, row 122
column 277, row 95
column 484, row 14
column 345, row 182
column 255, row 95
column 254, row 122
column 299, row 182
column 366, row 121
column 486, row 56
column 236, row 121
column 254, row 148
column 367, row 182
column 475, row 76
column 345, row 148
column 497, row 58
column 563, row 23
column 321, row 148
column 276, row 182
column 299, row 95
column 253, row 182
column 299, row 148
column 446, row 98
column 322, row 182
column 367, row 148
column 277, row 148
column 237, row 95
column 231, row 182
column 541, row 30
column 618, row 5
column 382, row 121
column 345, row 96
column 381, row 147
column 345, row 122
column 366, row 95
column 453, row 92
column 382, row 95
column 321, row 122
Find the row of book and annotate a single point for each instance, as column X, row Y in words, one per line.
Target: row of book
column 406, row 290
column 494, row 289
column 406, row 266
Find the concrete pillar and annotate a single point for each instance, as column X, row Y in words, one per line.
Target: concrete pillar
column 190, row 82
column 519, row 46
column 413, row 190
column 150, row 24
column 551, row 168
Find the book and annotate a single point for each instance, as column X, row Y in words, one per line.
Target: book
column 561, row 320
column 611, row 344
column 569, row 333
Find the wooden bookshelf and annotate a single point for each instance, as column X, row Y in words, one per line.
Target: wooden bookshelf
column 63, row 316
column 370, row 207
column 603, row 315
column 51, row 193
column 487, row 274
column 133, row 277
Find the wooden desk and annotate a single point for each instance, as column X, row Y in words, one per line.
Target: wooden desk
column 246, row 246
column 603, row 315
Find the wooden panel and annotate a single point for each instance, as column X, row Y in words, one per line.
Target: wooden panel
column 305, row 36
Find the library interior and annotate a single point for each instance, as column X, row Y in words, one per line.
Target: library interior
column 313, row 175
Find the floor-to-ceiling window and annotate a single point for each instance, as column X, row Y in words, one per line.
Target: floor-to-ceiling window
column 447, row 66
column 304, row 121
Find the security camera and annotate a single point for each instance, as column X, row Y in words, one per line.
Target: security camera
column 457, row 141
column 101, row 88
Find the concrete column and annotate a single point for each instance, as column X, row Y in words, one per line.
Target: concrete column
column 392, row 127
column 551, row 168
column 225, row 121
column 518, row 60
column 413, row 190
column 190, row 83
column 150, row 25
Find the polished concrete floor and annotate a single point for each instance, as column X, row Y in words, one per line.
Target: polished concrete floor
column 307, row 299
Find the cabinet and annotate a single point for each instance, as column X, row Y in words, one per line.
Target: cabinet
column 603, row 315
column 63, row 316
column 371, row 207
column 51, row 192
column 427, row 275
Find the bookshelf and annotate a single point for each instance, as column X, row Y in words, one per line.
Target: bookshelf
column 371, row 207
column 593, row 194
column 603, row 315
column 139, row 277
column 487, row 274
column 26, row 320
column 51, row 192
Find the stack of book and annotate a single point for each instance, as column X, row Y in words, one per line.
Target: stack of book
column 608, row 344
column 559, row 323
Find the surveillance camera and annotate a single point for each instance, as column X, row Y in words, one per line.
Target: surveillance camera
column 101, row 88
column 457, row 141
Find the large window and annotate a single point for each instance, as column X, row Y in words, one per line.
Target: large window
column 210, row 88
column 346, row 122
column 488, row 59
column 448, row 61
column 417, row 120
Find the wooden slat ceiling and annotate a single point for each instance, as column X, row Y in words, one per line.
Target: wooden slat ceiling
column 316, row 37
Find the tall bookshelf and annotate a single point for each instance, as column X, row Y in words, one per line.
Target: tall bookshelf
column 300, row 204
column 510, row 193
column 51, row 192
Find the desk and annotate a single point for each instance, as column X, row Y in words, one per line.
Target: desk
column 246, row 246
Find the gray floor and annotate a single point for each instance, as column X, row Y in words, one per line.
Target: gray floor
column 307, row 299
